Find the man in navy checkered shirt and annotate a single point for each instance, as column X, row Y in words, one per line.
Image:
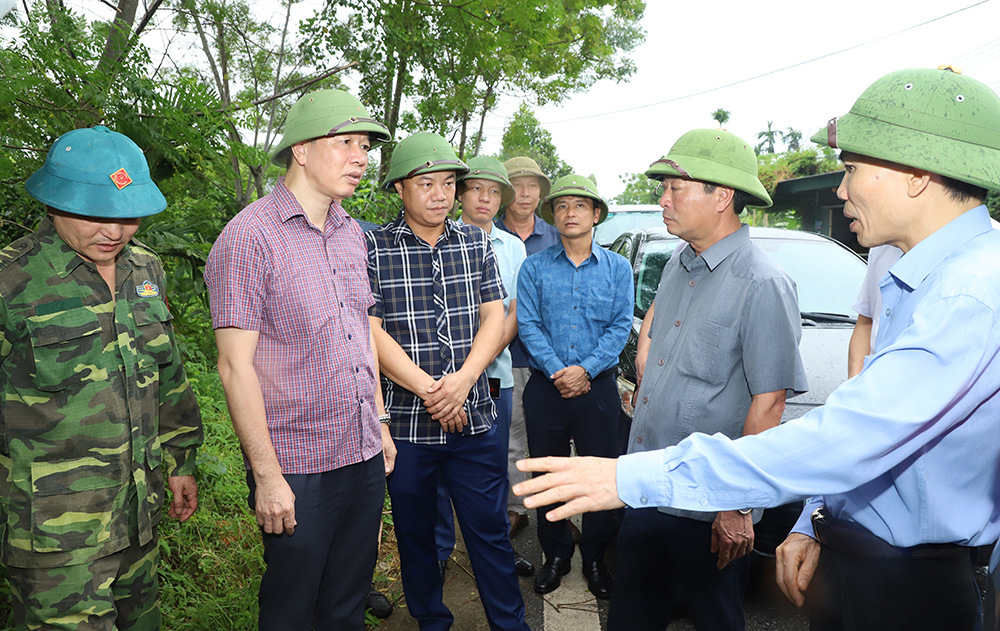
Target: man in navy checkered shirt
column 438, row 319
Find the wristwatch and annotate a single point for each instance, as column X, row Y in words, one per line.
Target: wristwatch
column 586, row 373
column 746, row 511
column 385, row 418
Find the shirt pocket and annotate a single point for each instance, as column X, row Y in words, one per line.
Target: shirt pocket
column 67, row 349
column 706, row 358
column 600, row 302
column 154, row 344
column 73, row 503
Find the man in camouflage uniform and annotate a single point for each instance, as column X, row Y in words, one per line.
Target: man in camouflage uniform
column 94, row 396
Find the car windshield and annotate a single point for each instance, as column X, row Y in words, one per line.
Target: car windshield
column 619, row 222
column 826, row 275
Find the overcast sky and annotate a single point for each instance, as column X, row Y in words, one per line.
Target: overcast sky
column 693, row 47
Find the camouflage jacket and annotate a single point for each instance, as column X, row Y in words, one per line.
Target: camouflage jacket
column 94, row 400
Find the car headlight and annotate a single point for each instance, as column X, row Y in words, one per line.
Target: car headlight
column 626, row 390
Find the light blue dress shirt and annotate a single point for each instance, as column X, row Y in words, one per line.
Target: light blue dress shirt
column 510, row 254
column 910, row 448
column 574, row 316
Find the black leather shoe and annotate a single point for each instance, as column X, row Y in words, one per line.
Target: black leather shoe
column 551, row 574
column 378, row 603
column 523, row 566
column 598, row 580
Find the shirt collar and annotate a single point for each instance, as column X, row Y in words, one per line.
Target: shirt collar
column 399, row 229
column 496, row 234
column 288, row 206
column 535, row 229
column 718, row 251
column 915, row 265
column 596, row 251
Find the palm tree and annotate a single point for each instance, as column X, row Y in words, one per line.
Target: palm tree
column 767, row 139
column 721, row 116
column 791, row 138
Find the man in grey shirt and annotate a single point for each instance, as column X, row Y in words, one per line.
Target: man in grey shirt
column 719, row 355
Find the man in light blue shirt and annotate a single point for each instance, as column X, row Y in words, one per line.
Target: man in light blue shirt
column 520, row 218
column 904, row 459
column 481, row 191
column 575, row 304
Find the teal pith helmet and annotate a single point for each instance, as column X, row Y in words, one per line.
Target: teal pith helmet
column 419, row 154
column 327, row 113
column 577, row 186
column 487, row 168
column 933, row 119
column 523, row 166
column 714, row 156
column 96, row 172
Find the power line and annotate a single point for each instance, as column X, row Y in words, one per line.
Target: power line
column 767, row 74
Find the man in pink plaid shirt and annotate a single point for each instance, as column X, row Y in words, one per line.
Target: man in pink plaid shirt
column 289, row 290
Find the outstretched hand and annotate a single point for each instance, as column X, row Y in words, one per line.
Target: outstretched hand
column 584, row 484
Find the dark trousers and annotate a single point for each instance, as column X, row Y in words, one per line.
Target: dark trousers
column 318, row 577
column 664, row 560
column 475, row 469
column 591, row 421
column 444, row 529
column 854, row 594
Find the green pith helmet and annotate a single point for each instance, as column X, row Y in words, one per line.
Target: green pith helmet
column 714, row 156
column 419, row 154
column 487, row 168
column 933, row 119
column 96, row 173
column 577, row 186
column 522, row 166
column 327, row 113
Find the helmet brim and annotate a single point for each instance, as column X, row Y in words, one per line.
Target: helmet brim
column 959, row 160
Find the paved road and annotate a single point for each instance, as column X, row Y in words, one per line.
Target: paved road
column 573, row 608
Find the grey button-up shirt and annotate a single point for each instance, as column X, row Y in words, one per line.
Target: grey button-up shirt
column 726, row 326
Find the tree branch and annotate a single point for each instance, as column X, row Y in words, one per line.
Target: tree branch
column 25, row 149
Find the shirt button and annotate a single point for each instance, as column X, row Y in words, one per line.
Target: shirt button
column 645, row 399
column 334, row 270
column 349, row 336
column 690, row 283
column 638, row 439
column 704, row 502
column 677, row 322
column 574, row 306
column 644, row 500
column 661, row 361
column 887, row 312
column 574, row 326
column 341, row 304
column 572, row 345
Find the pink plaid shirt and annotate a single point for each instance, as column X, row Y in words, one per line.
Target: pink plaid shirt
column 306, row 292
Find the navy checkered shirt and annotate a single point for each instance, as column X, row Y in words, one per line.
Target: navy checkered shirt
column 428, row 299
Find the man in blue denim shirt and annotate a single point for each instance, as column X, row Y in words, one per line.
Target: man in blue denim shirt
column 574, row 315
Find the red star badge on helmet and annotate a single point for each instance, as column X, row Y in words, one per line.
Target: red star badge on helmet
column 121, row 178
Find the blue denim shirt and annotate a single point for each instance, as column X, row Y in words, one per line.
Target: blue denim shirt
column 574, row 316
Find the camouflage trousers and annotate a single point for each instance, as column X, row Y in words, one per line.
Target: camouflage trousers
column 116, row 592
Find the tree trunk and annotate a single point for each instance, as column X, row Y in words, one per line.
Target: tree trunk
column 482, row 117
column 392, row 114
column 461, row 144
column 118, row 35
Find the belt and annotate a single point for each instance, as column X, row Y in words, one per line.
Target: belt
column 851, row 539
